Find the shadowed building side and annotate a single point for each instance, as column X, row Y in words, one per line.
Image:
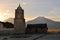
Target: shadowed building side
column 36, row 28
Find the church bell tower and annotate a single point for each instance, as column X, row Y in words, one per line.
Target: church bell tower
column 19, row 21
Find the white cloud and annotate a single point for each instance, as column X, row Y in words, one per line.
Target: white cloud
column 55, row 18
column 53, row 11
column 24, row 3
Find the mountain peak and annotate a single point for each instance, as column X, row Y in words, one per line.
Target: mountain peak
column 42, row 20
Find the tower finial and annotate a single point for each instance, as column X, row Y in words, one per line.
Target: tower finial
column 19, row 7
column 19, row 4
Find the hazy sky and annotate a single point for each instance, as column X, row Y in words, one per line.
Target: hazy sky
column 33, row 8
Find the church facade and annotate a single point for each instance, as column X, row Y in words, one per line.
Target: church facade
column 19, row 21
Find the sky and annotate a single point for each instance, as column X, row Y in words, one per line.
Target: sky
column 32, row 9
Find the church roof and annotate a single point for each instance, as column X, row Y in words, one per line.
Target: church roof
column 19, row 7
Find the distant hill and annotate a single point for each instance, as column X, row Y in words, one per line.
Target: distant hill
column 11, row 20
column 50, row 23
